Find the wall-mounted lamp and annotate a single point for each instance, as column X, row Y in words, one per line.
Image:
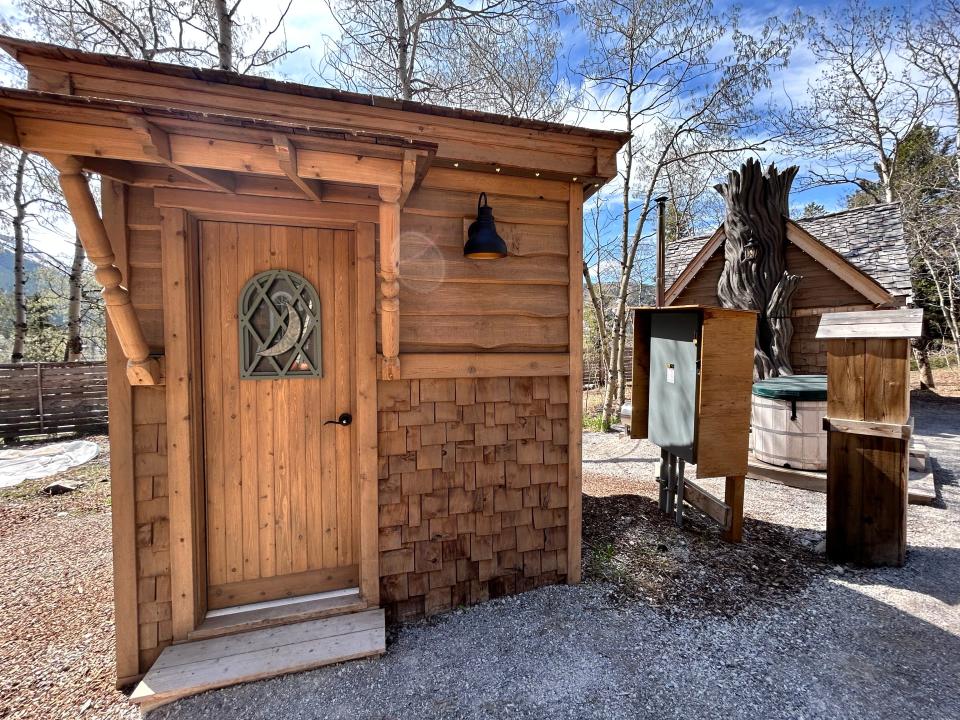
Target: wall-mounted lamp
column 483, row 243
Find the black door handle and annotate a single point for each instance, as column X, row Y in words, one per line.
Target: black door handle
column 344, row 419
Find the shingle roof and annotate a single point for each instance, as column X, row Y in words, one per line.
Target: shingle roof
column 871, row 238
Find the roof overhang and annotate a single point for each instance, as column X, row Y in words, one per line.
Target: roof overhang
column 466, row 139
column 168, row 146
column 833, row 261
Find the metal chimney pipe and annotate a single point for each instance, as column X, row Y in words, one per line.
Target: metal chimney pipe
column 661, row 248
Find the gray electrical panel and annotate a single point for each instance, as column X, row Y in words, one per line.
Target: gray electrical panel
column 674, row 374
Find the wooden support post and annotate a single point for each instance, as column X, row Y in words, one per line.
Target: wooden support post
column 287, row 159
column 122, row 489
column 184, row 443
column 141, row 368
column 575, row 385
column 366, row 422
column 733, row 499
column 390, row 281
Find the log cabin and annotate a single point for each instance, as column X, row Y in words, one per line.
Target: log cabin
column 853, row 260
column 321, row 412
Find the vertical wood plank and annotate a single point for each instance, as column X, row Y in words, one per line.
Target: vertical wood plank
column 343, row 402
column 123, row 508
column 281, row 435
column 249, row 422
column 213, row 401
column 328, row 468
column 366, row 423
column 266, row 453
column 313, row 414
column 296, row 432
column 186, row 581
column 575, row 386
column 230, row 374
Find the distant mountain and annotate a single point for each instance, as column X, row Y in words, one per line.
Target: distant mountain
column 6, row 267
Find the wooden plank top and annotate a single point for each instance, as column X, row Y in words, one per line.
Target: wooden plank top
column 905, row 323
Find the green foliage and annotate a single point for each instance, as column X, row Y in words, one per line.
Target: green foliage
column 812, row 210
column 593, row 422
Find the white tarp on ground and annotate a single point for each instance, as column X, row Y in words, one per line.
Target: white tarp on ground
column 39, row 461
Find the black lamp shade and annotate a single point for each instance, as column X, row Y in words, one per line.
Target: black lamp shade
column 483, row 243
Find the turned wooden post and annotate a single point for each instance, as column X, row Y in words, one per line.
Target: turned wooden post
column 390, row 281
column 141, row 368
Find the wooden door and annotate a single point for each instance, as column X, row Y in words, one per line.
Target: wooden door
column 282, row 505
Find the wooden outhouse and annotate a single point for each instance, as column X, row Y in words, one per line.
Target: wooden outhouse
column 318, row 405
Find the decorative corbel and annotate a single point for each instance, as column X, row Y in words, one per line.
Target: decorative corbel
column 141, row 368
column 287, row 159
column 390, row 281
column 156, row 145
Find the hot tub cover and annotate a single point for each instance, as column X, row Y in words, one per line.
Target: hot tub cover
column 794, row 387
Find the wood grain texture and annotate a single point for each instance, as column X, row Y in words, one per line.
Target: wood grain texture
column 726, row 356
column 575, row 386
column 867, row 450
column 184, row 452
column 280, row 484
column 122, row 506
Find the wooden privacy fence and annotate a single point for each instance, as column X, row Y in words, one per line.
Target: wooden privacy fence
column 47, row 398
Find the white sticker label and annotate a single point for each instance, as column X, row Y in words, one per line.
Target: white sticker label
column 670, row 374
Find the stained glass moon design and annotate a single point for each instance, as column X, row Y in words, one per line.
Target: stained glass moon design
column 279, row 323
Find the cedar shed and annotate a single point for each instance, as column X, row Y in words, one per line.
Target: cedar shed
column 321, row 412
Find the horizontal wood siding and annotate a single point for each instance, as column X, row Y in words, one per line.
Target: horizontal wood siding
column 47, row 398
column 472, row 490
column 818, row 288
column 451, row 304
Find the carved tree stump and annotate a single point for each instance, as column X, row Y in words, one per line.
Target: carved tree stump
column 755, row 276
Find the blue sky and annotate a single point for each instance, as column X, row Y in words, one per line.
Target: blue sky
column 309, row 21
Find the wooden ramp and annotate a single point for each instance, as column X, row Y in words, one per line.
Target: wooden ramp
column 193, row 667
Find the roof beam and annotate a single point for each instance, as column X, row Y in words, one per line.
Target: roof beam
column 8, row 130
column 287, row 159
column 119, row 170
column 156, row 144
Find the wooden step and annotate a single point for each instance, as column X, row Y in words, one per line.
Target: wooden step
column 278, row 613
column 193, row 667
column 921, row 488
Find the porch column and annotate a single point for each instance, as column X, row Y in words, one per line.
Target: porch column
column 141, row 368
column 390, row 281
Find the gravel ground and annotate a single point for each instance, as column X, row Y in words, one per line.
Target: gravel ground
column 56, row 600
column 674, row 624
column 669, row 623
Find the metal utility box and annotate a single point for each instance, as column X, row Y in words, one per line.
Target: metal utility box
column 674, row 374
column 692, row 378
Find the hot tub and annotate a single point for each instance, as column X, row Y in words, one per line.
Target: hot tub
column 787, row 421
